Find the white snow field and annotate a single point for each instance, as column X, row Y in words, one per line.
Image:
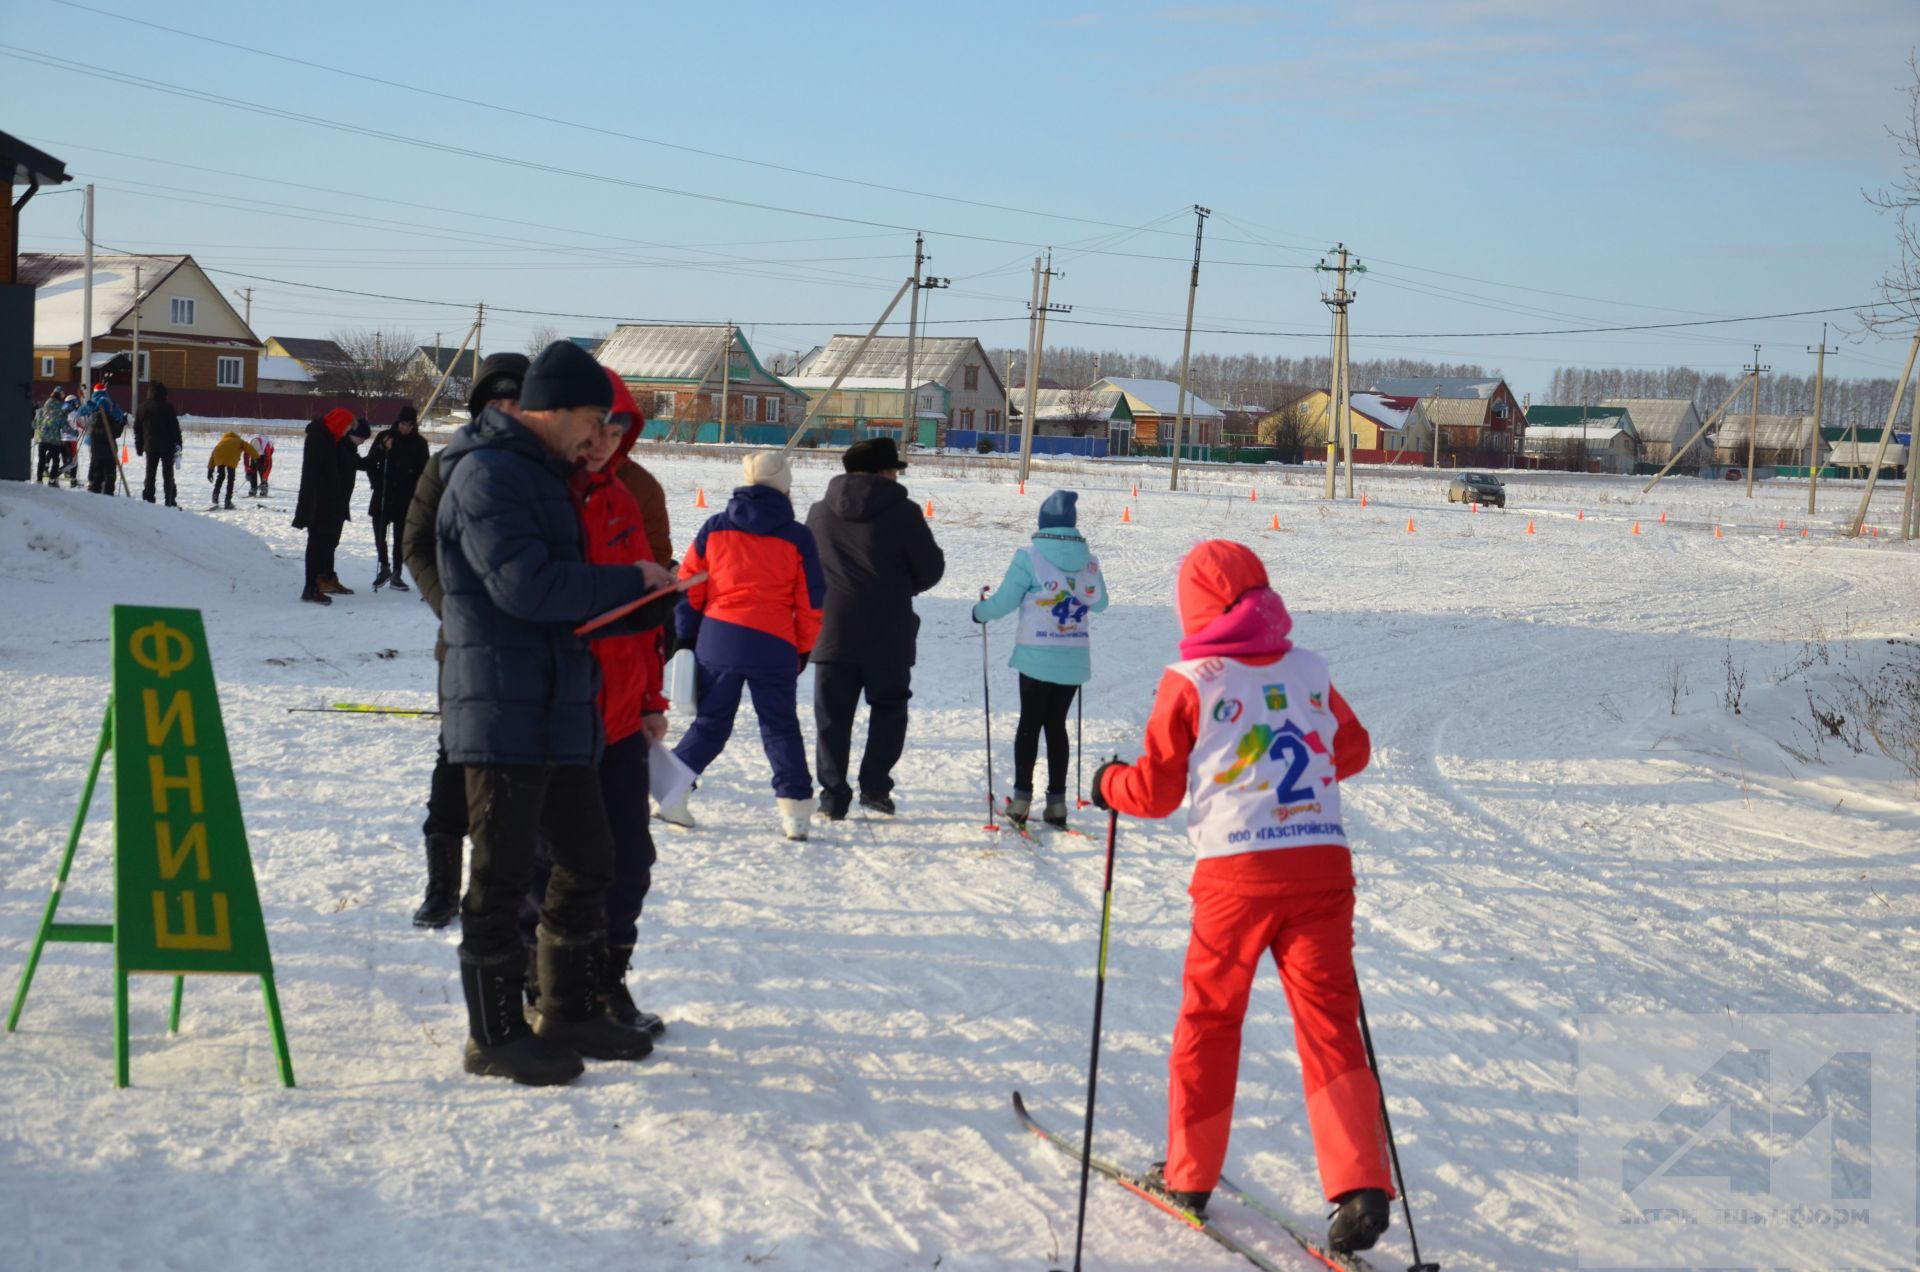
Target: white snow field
column 1548, row 829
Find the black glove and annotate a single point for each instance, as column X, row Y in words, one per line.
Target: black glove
column 802, row 668
column 1099, row 797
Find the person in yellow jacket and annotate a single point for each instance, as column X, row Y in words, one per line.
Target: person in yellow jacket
column 224, row 460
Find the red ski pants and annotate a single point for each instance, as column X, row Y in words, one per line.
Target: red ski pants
column 1310, row 936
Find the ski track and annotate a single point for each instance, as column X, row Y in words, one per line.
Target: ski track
column 1539, row 837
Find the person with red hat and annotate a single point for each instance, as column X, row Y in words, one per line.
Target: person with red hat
column 1251, row 726
column 320, row 508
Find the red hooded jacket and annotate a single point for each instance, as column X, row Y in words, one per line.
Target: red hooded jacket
column 1227, row 610
column 630, row 666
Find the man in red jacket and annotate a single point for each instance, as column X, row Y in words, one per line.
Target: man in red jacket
column 1253, row 728
column 632, row 709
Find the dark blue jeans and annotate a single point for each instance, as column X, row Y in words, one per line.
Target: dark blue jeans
column 623, row 789
column 773, row 702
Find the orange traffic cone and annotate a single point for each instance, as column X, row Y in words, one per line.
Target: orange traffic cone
column 1582, row 516
column 1253, row 494
column 1716, row 532
column 1023, row 487
column 1276, row 522
column 1363, row 499
column 1663, row 518
column 1409, row 525
column 1803, row 532
column 1475, row 507
column 1636, row 527
column 929, row 510
column 700, row 499
column 1126, row 515
column 1136, row 490
column 1529, row 527
column 123, row 452
column 1783, row 523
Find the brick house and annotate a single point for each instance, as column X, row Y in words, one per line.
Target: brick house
column 190, row 337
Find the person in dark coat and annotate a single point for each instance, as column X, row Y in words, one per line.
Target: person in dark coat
column 394, row 464
column 519, row 709
column 105, row 421
column 445, row 829
column 878, row 553
column 156, row 434
column 320, row 507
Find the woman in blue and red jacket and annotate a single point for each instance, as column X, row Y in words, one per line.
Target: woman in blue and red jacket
column 632, row 707
column 752, row 624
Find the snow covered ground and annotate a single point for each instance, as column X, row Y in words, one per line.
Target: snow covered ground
column 1564, row 816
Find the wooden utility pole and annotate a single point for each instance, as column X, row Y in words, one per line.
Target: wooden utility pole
column 726, row 379
column 479, row 330
column 1753, row 416
column 246, row 298
column 910, row 401
column 135, row 398
column 1813, row 458
column 1186, row 344
column 1886, row 435
column 806, row 423
column 1339, row 391
column 1700, row 432
column 1047, row 276
column 86, row 302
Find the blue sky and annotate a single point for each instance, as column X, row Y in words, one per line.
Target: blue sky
column 1500, row 165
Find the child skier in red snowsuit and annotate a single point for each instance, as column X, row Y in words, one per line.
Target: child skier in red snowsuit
column 1252, row 728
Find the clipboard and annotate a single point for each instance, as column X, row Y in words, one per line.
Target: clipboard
column 619, row 612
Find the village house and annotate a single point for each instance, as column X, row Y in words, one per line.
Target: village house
column 1782, row 441
column 1663, row 425
column 190, row 337
column 1381, row 429
column 976, row 397
column 1479, row 420
column 678, row 376
column 317, row 357
column 1089, row 421
column 1594, row 439
column 1154, row 406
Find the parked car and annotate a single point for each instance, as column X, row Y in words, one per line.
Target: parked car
column 1477, row 488
column 1735, row 474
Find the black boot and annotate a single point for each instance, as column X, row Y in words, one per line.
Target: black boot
column 1361, row 1218
column 499, row 1042
column 443, row 883
column 1195, row 1202
column 380, row 579
column 618, row 1001
column 571, row 976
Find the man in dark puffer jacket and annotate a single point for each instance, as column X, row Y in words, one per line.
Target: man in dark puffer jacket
column 518, row 697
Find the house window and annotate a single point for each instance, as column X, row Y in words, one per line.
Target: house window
column 971, row 379
column 229, row 373
column 180, row 311
column 966, row 414
column 143, row 365
column 662, row 406
column 773, row 410
column 46, row 368
column 749, row 408
column 993, row 421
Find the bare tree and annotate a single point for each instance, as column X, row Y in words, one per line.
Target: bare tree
column 540, row 339
column 1899, row 303
column 1289, row 427
column 376, row 362
column 1086, row 410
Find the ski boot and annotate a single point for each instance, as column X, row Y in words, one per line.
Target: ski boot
column 1192, row 1201
column 1055, row 814
column 1362, row 1215
column 794, row 814
column 1018, row 809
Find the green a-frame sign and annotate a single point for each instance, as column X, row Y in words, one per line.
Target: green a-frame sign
column 184, row 900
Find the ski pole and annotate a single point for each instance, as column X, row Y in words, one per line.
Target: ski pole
column 1366, row 1035
column 1079, row 748
column 986, row 700
column 1093, row 1058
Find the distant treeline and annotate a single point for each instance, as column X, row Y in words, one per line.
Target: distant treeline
column 1250, row 380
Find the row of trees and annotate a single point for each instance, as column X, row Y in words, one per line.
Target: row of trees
column 1780, row 394
column 1226, row 380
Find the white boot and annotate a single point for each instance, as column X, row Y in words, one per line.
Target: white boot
column 794, row 816
column 677, row 813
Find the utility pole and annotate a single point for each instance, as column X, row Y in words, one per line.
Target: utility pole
column 1047, row 276
column 1886, row 435
column 135, row 409
column 1339, row 392
column 246, row 298
column 726, row 378
column 1753, row 415
column 1433, row 428
column 1819, row 383
column 1200, row 215
column 910, row 402
column 86, row 303
column 479, row 330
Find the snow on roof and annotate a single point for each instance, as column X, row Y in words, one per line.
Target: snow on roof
column 1598, row 435
column 663, row 351
column 857, row 384
column 1775, row 432
column 1069, row 404
column 59, row 297
column 1670, row 420
column 940, row 356
column 1860, row 454
column 1161, row 397
column 1390, row 412
column 284, row 369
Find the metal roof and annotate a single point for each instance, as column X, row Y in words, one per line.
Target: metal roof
column 312, row 353
column 857, row 384
column 288, row 369
column 936, row 357
column 1159, row 397
column 29, row 165
column 1775, row 432
column 1860, row 454
column 442, row 357
column 1669, row 420
column 1071, row 404
column 1547, row 415
column 1600, row 435
column 658, row 351
column 1477, row 387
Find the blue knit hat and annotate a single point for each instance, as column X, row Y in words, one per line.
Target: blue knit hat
column 1058, row 510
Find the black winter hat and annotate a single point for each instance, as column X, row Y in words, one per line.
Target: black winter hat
column 407, row 414
column 500, row 377
column 564, row 376
column 875, row 455
column 361, row 430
